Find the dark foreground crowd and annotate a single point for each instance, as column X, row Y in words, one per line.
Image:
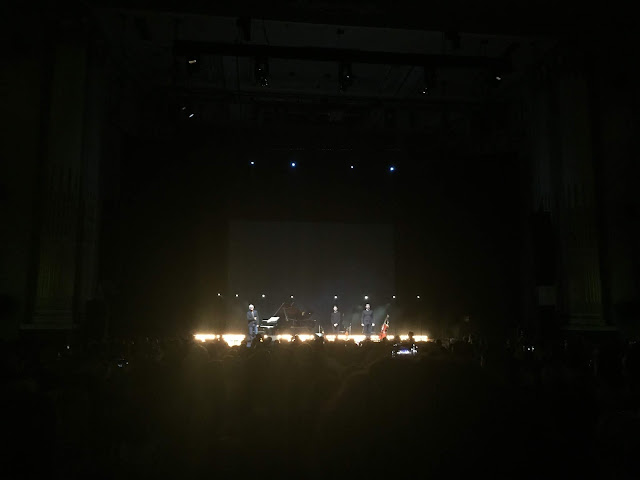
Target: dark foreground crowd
column 177, row 408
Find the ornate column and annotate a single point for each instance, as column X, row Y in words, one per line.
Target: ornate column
column 60, row 201
column 563, row 195
column 580, row 286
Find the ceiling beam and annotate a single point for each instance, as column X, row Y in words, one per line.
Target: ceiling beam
column 186, row 48
column 328, row 101
column 544, row 17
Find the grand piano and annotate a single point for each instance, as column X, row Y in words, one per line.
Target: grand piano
column 288, row 319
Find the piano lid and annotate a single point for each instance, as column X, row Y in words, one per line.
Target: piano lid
column 292, row 312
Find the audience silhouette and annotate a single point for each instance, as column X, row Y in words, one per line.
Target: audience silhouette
column 166, row 407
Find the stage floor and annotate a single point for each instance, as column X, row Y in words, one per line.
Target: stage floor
column 236, row 339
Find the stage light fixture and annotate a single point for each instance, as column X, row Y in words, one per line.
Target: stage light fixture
column 236, row 295
column 351, row 167
column 263, row 295
column 393, row 296
column 291, row 296
column 293, row 164
column 418, row 297
column 345, row 76
column 496, row 76
column 191, row 115
column 366, row 297
column 219, row 295
column 193, row 64
column 262, row 72
column 252, row 162
column 392, row 168
column 335, row 297
column 429, row 80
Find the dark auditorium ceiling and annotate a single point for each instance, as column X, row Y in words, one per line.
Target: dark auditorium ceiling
column 203, row 54
column 304, row 58
column 508, row 17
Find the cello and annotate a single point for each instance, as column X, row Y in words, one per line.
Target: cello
column 384, row 328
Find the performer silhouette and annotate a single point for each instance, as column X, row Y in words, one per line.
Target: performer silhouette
column 253, row 319
column 336, row 320
column 366, row 320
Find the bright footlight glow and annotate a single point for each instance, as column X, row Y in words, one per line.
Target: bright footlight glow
column 234, row 340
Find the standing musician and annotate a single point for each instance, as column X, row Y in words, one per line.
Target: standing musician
column 366, row 320
column 336, row 320
column 253, row 319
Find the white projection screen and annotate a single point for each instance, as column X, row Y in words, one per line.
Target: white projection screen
column 313, row 262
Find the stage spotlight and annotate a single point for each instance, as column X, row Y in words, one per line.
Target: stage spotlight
column 393, row 296
column 418, row 297
column 291, row 296
column 366, row 297
column 392, row 168
column 252, row 162
column 219, row 295
column 263, row 295
column 293, row 164
column 335, row 297
column 191, row 115
column 236, row 295
column 351, row 167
